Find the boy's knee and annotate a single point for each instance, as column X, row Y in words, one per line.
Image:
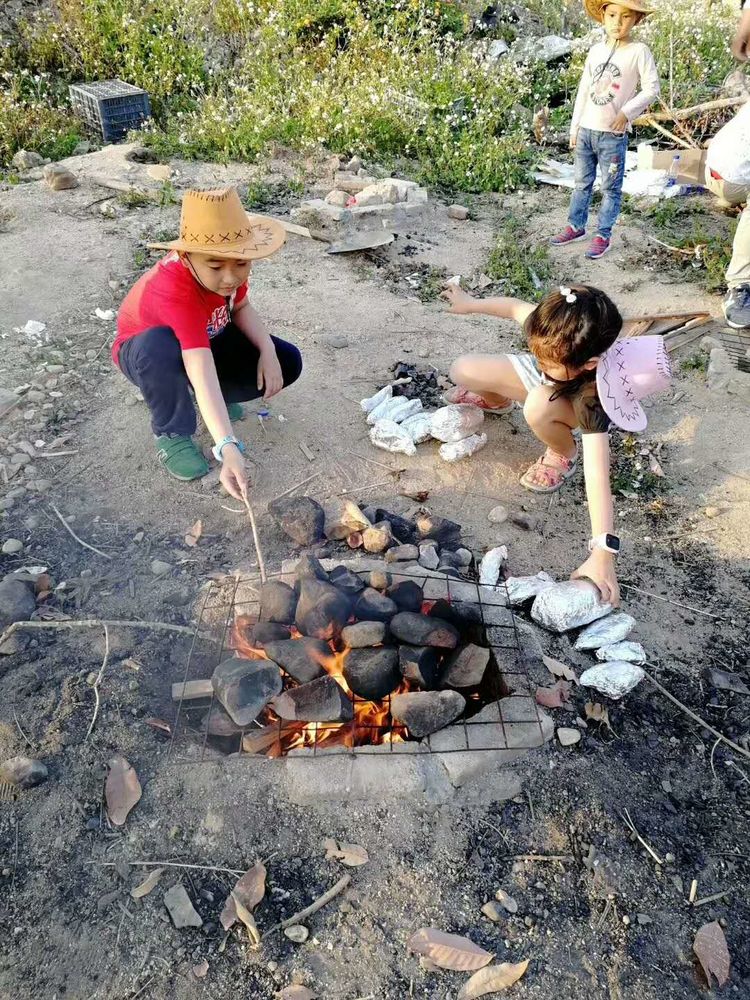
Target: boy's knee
column 292, row 367
column 158, row 346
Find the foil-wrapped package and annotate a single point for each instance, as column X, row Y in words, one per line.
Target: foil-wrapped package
column 397, row 409
column 629, row 652
column 417, row 426
column 491, row 564
column 369, row 404
column 390, row 436
column 615, row 628
column 455, row 422
column 457, row 450
column 613, row 679
column 568, row 605
column 523, row 588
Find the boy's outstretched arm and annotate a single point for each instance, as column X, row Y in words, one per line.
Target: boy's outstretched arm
column 504, row 308
column 600, row 565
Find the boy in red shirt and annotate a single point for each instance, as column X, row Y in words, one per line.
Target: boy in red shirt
column 187, row 324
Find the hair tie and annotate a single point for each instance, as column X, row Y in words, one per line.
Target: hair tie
column 568, row 294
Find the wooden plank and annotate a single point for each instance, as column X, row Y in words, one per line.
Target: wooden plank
column 260, row 740
column 636, row 327
column 306, row 452
column 192, row 690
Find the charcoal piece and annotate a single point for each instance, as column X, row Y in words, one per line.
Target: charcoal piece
column 343, row 579
column 448, row 558
column 264, row 632
column 309, row 566
column 299, row 517
column 372, row 606
column 440, row 528
column 372, row 673
column 323, row 700
column 278, row 602
column 303, row 659
column 407, row 595
column 450, row 571
column 218, row 722
column 467, row 618
column 402, row 553
column 363, row 634
column 245, row 687
column 403, row 531
column 425, row 712
column 466, row 667
column 424, row 630
column 322, row 610
column 420, row 665
column 380, row 580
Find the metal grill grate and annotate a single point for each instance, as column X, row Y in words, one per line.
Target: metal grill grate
column 737, row 345
column 509, row 721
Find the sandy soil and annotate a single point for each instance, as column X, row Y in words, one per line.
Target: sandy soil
column 66, row 934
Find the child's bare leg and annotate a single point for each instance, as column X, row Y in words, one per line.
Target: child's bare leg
column 552, row 420
column 491, row 376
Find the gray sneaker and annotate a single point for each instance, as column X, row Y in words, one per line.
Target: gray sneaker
column 736, row 307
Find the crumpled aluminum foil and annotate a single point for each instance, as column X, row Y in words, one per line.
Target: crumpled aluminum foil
column 491, row 564
column 568, row 605
column 613, row 679
column 369, row 404
column 630, row 652
column 615, row 628
column 523, row 588
column 455, row 422
column 456, row 450
column 389, row 436
column 417, row 426
column 396, row 409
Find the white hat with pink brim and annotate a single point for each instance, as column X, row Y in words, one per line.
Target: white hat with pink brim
column 630, row 370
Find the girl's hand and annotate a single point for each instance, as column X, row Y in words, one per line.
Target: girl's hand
column 620, row 124
column 459, row 300
column 270, row 378
column 233, row 476
column 573, row 140
column 600, row 569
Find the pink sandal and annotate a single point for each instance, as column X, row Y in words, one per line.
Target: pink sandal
column 550, row 472
column 459, row 394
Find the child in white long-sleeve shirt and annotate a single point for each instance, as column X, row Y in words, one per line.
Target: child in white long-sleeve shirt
column 619, row 82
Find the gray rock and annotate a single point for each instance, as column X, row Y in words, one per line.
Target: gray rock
column 377, row 538
column 425, row 712
column 338, row 198
column 420, row 665
column 159, row 567
column 82, row 148
column 465, row 557
column 299, row 517
column 363, row 634
column 322, row 610
column 26, row 159
column 529, row 522
column 245, row 687
column 498, row 515
column 263, row 633
column 309, row 566
column 218, row 722
column 466, row 667
column 402, row 553
column 372, row 673
column 451, row 559
column 343, row 579
column 428, row 555
column 278, row 602
column 39, row 485
column 423, row 630
column 322, row 700
column 23, row 772
column 335, row 340
column 458, row 212
column 180, row 907
column 16, row 602
column 11, row 546
column 59, row 178
column 372, row 606
column 302, row 659
column 297, row 933
column 407, row 595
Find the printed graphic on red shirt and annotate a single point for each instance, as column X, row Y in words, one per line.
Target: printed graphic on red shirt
column 606, row 84
column 219, row 319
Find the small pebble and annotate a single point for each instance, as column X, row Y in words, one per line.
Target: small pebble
column 498, row 514
column 712, row 511
column 297, row 933
column 492, row 912
column 458, row 212
column 11, row 546
column 159, row 567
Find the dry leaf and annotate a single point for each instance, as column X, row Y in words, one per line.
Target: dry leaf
column 449, row 951
column 191, row 538
column 148, row 884
column 351, row 855
column 159, row 724
column 200, row 971
column 250, row 888
column 492, row 979
column 555, row 696
column 597, row 713
column 296, row 993
column 710, row 946
column 559, row 669
column 247, row 919
column 506, row 901
column 122, row 790
column 655, row 467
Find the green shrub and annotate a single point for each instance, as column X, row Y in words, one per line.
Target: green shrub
column 525, row 271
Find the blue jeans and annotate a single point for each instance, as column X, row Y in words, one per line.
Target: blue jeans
column 605, row 150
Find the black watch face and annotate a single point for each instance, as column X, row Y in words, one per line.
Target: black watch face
column 613, row 542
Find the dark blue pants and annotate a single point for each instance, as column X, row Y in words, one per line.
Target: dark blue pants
column 153, row 362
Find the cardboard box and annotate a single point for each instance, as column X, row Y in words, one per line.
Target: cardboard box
column 692, row 162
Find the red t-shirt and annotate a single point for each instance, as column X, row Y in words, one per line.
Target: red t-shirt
column 169, row 295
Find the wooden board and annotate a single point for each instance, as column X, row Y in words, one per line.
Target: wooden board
column 192, row 690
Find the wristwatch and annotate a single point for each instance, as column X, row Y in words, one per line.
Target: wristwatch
column 221, row 445
column 610, row 543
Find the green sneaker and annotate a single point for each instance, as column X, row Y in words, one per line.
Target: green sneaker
column 181, row 457
column 235, row 411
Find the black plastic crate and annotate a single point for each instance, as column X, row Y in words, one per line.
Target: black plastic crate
column 110, row 107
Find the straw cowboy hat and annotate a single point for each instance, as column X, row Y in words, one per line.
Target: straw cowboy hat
column 632, row 368
column 215, row 223
column 595, row 8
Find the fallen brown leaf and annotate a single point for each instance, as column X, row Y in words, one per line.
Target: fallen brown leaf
column 597, row 713
column 122, row 790
column 710, row 946
column 492, row 979
column 449, row 951
column 296, row 993
column 43, row 585
column 559, row 669
column 149, row 883
column 351, row 855
column 555, row 696
column 250, row 888
column 160, row 724
column 194, row 533
column 247, row 919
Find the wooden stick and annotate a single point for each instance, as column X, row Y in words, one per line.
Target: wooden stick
column 694, row 717
column 93, row 623
column 167, row 864
column 716, row 895
column 296, row 486
column 191, row 690
column 256, row 540
column 80, row 541
column 260, row 740
column 538, row 857
column 691, row 112
column 320, row 902
column 671, row 136
column 371, row 461
column 306, row 452
column 96, row 685
column 20, row 730
column 361, row 489
column 666, row 600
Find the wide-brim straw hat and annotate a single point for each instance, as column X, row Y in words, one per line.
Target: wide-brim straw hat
column 215, row 223
column 595, row 8
column 629, row 371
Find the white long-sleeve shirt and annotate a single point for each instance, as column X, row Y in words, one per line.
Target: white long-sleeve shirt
column 728, row 152
column 617, row 79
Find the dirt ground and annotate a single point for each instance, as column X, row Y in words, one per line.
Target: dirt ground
column 606, row 921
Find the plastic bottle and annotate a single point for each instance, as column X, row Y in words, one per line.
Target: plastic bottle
column 674, row 170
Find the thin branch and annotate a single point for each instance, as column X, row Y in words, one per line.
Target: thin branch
column 296, row 486
column 320, row 902
column 93, row 623
column 666, row 600
column 80, row 541
column 18, row 724
column 256, row 540
column 97, row 682
column 631, row 826
column 168, row 864
column 716, row 895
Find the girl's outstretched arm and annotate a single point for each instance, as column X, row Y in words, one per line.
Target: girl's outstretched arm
column 504, row 308
column 600, row 565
